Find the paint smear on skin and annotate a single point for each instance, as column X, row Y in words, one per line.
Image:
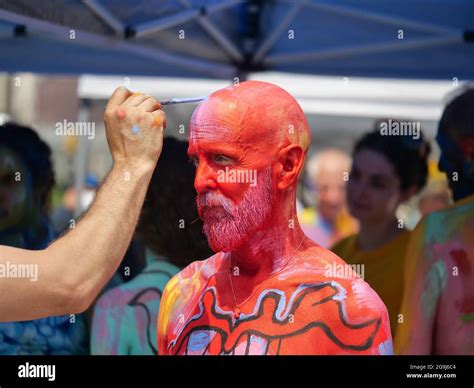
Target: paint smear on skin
column 120, row 113
column 109, row 319
column 170, row 305
column 386, row 348
column 434, row 285
column 466, row 304
column 242, row 115
column 460, row 258
column 443, row 251
column 141, row 325
column 443, row 228
column 135, row 130
column 180, row 292
column 467, row 318
column 363, row 294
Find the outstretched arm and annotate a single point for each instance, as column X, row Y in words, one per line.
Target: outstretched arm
column 74, row 268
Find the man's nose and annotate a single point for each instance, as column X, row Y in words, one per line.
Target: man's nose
column 205, row 178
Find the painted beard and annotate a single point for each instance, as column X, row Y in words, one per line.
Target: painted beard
column 227, row 225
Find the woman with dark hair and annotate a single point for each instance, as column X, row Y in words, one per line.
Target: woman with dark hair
column 387, row 170
column 125, row 317
column 26, row 180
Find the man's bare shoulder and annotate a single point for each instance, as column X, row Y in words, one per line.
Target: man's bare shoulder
column 325, row 291
column 202, row 268
column 320, row 266
column 196, row 273
column 319, row 262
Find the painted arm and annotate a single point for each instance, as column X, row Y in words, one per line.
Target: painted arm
column 74, row 268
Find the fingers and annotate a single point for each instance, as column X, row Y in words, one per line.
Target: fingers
column 150, row 104
column 134, row 100
column 159, row 118
column 118, row 97
column 124, row 105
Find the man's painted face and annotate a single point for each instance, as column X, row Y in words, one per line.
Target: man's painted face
column 235, row 138
column 13, row 189
column 233, row 183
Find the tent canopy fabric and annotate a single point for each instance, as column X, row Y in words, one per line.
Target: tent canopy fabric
column 426, row 39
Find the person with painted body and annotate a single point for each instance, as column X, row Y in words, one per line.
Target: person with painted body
column 268, row 289
column 386, row 172
column 75, row 267
column 438, row 303
column 125, row 317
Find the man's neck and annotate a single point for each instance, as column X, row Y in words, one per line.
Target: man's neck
column 268, row 250
column 266, row 253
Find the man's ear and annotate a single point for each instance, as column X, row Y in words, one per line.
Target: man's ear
column 289, row 164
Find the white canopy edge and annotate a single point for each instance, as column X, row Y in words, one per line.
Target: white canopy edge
column 328, row 95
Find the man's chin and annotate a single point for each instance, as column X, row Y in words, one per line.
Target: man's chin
column 221, row 242
column 220, row 246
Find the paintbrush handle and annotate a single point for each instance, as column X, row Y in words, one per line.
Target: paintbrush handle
column 173, row 101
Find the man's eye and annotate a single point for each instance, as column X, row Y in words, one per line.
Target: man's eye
column 222, row 160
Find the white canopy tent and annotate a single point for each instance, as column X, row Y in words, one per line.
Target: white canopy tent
column 419, row 39
column 328, row 95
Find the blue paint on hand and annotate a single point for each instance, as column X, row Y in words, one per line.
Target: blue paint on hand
column 135, row 130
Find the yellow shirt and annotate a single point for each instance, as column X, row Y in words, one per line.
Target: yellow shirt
column 324, row 233
column 383, row 269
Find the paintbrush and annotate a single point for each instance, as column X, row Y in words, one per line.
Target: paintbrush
column 173, row 101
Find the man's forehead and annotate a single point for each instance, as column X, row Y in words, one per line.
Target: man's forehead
column 213, row 144
column 219, row 121
column 252, row 116
column 214, row 132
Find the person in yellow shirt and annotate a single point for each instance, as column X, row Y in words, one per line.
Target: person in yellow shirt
column 387, row 170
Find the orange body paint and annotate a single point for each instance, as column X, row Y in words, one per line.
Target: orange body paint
column 269, row 289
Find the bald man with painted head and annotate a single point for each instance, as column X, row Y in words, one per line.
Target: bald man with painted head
column 268, row 289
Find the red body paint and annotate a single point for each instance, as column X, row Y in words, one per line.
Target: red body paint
column 286, row 301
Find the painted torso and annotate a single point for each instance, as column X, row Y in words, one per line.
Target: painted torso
column 125, row 317
column 438, row 306
column 300, row 310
